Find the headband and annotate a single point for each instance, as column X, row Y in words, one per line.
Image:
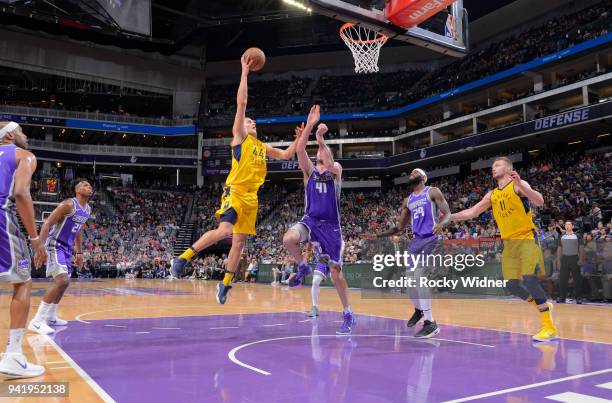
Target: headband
column 7, row 129
column 422, row 173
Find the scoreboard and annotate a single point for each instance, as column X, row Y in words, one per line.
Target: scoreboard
column 216, row 160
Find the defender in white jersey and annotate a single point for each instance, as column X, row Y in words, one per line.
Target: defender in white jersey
column 62, row 233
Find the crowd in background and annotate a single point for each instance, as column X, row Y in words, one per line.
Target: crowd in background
column 132, row 231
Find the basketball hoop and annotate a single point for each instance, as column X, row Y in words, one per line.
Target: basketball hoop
column 365, row 46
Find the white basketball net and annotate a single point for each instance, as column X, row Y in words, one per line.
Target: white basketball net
column 365, row 46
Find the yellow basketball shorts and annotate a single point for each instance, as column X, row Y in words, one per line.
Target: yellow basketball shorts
column 245, row 204
column 521, row 257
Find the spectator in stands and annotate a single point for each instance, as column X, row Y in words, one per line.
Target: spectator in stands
column 252, row 270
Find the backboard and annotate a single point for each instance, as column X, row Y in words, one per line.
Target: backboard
column 452, row 39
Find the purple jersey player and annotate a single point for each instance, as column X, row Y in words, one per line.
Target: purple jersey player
column 321, row 224
column 428, row 212
column 16, row 168
column 62, row 233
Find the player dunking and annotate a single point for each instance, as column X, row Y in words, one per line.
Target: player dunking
column 522, row 253
column 321, row 224
column 61, row 233
column 239, row 204
column 16, row 168
column 427, row 210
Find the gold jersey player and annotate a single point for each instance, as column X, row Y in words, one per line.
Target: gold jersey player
column 239, row 204
column 510, row 202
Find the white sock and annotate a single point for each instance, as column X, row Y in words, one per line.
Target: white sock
column 417, row 304
column 52, row 312
column 348, row 309
column 14, row 341
column 316, row 284
column 43, row 311
column 425, row 305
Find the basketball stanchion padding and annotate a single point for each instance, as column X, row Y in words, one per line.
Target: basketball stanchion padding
column 410, row 13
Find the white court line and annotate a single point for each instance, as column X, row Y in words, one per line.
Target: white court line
column 572, row 397
column 607, row 385
column 143, row 332
column 481, row 328
column 79, row 317
column 115, row 325
column 224, row 327
column 103, row 395
column 276, row 324
column 232, row 354
column 530, row 386
column 305, row 320
column 166, row 328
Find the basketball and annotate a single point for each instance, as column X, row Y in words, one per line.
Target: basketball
column 258, row 57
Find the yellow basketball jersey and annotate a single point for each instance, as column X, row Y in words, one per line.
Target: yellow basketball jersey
column 512, row 213
column 248, row 165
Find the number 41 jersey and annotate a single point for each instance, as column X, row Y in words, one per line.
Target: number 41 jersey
column 423, row 212
column 323, row 197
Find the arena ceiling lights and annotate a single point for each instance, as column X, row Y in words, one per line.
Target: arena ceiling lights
column 298, row 5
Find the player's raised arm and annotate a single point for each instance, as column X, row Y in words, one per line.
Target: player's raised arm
column 239, row 130
column 64, row 209
column 522, row 188
column 326, row 154
column 301, row 140
column 23, row 201
column 445, row 215
column 399, row 226
column 473, row 211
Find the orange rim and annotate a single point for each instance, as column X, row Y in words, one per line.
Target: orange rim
column 348, row 25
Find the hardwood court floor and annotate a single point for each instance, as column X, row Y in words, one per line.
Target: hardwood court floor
column 87, row 302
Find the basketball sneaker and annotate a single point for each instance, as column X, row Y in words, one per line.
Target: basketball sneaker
column 303, row 271
column 40, row 326
column 547, row 333
column 429, row 329
column 178, row 267
column 416, row 317
column 56, row 322
column 314, row 312
column 348, row 324
column 222, row 292
column 15, row 365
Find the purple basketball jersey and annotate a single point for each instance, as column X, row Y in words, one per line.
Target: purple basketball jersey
column 8, row 166
column 64, row 232
column 14, row 253
column 424, row 213
column 323, row 197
